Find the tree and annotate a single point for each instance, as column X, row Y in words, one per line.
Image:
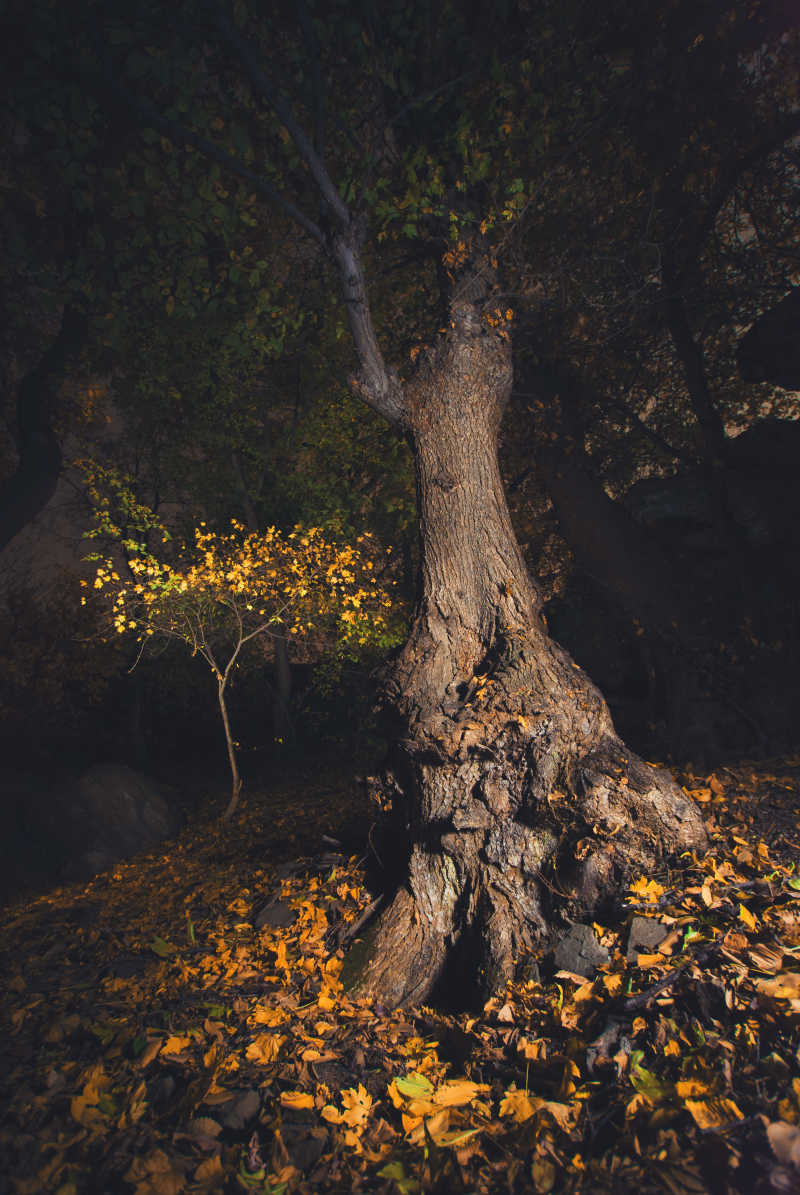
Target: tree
column 507, row 777
column 231, row 590
column 666, row 230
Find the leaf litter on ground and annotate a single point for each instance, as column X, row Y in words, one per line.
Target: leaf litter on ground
column 179, row 1024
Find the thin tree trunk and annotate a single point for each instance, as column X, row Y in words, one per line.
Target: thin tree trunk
column 236, row 787
column 508, row 775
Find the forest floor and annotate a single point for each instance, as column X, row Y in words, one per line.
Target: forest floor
column 179, row 1024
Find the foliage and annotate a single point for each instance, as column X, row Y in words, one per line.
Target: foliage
column 180, row 1024
column 241, row 584
column 56, row 672
column 228, row 590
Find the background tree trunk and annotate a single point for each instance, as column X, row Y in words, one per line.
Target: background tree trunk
column 522, row 807
column 31, row 486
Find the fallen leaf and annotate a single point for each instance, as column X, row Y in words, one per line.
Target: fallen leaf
column 713, row 1113
column 784, row 1140
column 296, row 1100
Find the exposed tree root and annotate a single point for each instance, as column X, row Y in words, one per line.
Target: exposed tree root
column 524, row 811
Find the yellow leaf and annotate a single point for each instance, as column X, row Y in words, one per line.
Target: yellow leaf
column 519, row 1105
column 693, row 1089
column 612, row 984
column 265, row 1048
column 535, row 1050
column 711, row 1114
column 649, row 960
column 268, row 1016
column 783, row 987
column 747, row 917
column 176, row 1044
column 457, row 1092
column 84, row 1107
column 637, row 1103
column 357, row 1105
column 434, row 1125
column 647, row 890
column 296, row 1100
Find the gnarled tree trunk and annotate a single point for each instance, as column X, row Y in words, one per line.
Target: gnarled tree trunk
column 522, row 806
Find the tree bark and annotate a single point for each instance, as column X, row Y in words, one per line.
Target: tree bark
column 282, row 726
column 236, row 780
column 522, row 807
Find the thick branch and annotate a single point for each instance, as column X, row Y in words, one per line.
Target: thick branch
column 732, row 171
column 691, row 359
column 263, row 87
column 375, row 384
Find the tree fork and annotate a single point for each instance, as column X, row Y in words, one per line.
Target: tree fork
column 523, row 808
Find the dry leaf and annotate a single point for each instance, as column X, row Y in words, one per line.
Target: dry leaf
column 296, row 1100
column 784, row 1140
column 713, row 1113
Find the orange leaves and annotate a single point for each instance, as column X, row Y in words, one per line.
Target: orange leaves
column 647, row 890
column 713, row 1113
column 265, row 1048
column 356, row 1108
column 296, row 1100
column 522, row 1106
column 176, row 1044
column 251, row 1026
column 430, row 1112
column 91, row 1107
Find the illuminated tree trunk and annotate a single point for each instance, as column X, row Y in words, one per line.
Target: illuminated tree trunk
column 523, row 807
column 236, row 785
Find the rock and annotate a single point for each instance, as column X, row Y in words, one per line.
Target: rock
column 645, row 935
column 579, row 951
column 278, row 914
column 113, row 812
column 241, row 1110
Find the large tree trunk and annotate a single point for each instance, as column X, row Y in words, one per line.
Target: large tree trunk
column 522, row 806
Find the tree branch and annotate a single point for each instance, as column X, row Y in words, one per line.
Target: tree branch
column 263, row 87
column 151, row 117
column 733, row 170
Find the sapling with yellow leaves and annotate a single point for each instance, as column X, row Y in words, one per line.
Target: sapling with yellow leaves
column 227, row 590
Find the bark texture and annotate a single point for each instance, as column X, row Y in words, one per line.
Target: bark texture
column 522, row 807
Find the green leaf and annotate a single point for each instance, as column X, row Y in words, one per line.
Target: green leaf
column 163, row 949
column 645, row 1082
column 454, row 1137
column 138, row 1044
column 794, row 883
column 414, row 1086
column 396, row 1171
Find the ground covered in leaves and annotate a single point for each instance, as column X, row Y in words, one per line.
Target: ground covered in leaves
column 180, row 1024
